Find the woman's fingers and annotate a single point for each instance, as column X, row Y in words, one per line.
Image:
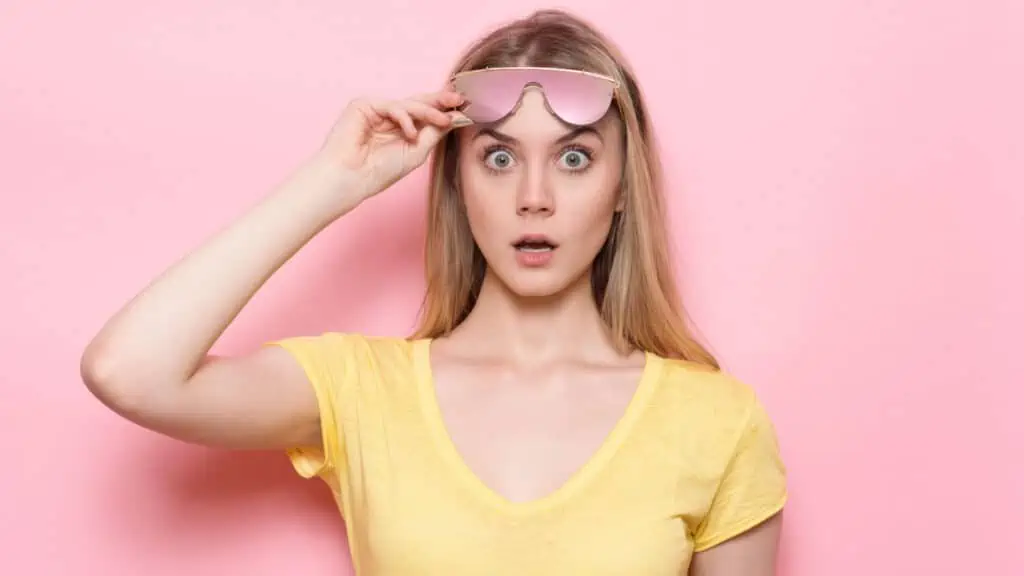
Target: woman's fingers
column 442, row 100
column 412, row 114
column 427, row 114
column 400, row 116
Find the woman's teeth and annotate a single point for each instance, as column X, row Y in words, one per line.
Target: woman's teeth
column 534, row 246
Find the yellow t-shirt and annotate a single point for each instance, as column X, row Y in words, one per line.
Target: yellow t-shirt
column 692, row 462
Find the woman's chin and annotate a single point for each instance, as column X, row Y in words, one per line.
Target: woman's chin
column 538, row 283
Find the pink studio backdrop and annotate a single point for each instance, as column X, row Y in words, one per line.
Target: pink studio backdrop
column 846, row 192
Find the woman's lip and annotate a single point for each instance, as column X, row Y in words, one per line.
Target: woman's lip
column 535, row 258
column 534, row 239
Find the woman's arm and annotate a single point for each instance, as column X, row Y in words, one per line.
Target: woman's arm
column 151, row 363
column 753, row 553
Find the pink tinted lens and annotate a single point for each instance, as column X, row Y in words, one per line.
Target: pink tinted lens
column 491, row 94
column 575, row 98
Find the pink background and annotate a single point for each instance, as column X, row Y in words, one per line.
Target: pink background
column 846, row 190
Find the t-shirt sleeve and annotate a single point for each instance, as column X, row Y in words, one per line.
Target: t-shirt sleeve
column 753, row 486
column 318, row 356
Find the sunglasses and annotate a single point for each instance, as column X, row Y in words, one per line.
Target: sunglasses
column 574, row 96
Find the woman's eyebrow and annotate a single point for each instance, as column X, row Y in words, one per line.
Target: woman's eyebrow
column 570, row 135
column 579, row 131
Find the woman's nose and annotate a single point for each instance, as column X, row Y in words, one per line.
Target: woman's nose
column 535, row 195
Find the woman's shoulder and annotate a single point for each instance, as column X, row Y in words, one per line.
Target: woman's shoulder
column 710, row 396
column 710, row 383
column 332, row 347
column 336, row 338
column 720, row 414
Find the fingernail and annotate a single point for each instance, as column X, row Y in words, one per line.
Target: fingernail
column 461, row 121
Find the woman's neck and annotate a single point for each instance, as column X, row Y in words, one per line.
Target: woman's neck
column 564, row 325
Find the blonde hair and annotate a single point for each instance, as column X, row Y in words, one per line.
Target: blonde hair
column 632, row 279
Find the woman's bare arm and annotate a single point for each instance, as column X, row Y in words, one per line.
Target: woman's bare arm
column 151, row 364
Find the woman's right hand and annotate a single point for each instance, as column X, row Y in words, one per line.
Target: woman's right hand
column 378, row 142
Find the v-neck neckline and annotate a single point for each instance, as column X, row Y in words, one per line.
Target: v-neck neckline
column 449, row 452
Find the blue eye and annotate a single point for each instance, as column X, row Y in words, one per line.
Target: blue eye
column 575, row 159
column 498, row 159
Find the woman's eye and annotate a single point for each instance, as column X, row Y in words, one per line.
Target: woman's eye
column 575, row 160
column 499, row 160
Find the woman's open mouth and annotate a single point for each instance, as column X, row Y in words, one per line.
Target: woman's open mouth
column 534, row 250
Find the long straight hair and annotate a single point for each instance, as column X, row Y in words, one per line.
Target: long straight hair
column 631, row 279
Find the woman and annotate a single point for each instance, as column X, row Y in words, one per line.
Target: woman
column 552, row 415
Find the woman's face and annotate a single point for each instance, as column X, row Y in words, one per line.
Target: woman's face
column 540, row 195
